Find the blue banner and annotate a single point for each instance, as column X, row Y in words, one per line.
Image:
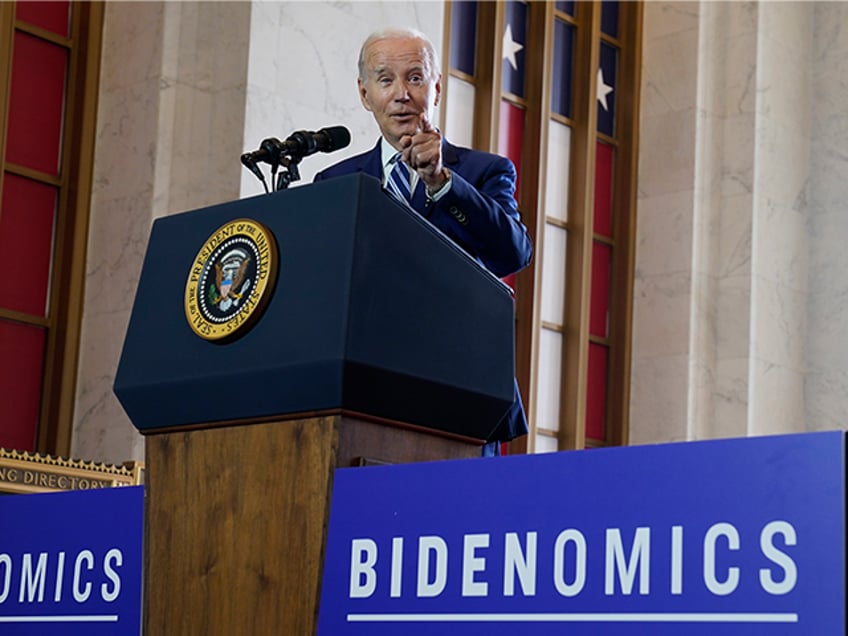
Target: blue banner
column 70, row 563
column 733, row 536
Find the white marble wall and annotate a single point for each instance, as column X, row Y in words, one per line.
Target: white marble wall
column 122, row 198
column 779, row 246
column 826, row 383
column 742, row 181
column 665, row 227
column 728, row 43
column 185, row 88
column 169, row 134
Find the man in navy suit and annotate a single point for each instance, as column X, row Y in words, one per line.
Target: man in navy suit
column 467, row 194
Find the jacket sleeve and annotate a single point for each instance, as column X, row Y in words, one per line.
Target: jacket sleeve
column 484, row 217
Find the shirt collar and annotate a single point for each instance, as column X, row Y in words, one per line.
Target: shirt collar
column 387, row 154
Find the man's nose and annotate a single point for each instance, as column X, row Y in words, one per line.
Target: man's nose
column 401, row 92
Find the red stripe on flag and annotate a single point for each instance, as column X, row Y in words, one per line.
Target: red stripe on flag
column 599, row 299
column 596, row 398
column 603, row 189
column 511, row 136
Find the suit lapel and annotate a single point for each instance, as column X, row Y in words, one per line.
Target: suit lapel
column 373, row 163
column 450, row 156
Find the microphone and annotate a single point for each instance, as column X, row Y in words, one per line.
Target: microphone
column 299, row 144
column 303, row 142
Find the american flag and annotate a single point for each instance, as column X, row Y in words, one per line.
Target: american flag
column 606, row 89
column 512, row 115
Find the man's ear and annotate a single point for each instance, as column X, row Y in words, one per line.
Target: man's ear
column 363, row 94
column 438, row 87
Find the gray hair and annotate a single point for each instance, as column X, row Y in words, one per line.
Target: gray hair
column 399, row 34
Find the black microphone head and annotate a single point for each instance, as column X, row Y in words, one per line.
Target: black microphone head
column 334, row 138
column 303, row 142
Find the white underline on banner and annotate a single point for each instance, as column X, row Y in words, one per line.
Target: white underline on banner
column 104, row 618
column 577, row 618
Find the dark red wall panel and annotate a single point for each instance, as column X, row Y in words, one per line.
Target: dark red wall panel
column 20, row 384
column 26, row 243
column 36, row 103
column 52, row 16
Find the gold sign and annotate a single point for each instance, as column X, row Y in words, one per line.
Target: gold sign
column 231, row 280
column 22, row 472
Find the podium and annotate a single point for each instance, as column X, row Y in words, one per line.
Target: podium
column 375, row 339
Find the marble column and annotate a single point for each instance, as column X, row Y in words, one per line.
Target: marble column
column 665, row 223
column 826, row 380
column 169, row 134
column 739, row 304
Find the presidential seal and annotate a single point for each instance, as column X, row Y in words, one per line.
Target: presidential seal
column 231, row 280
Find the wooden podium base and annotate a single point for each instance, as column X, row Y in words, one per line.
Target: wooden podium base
column 236, row 518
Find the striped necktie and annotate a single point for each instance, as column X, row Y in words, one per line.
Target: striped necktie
column 398, row 182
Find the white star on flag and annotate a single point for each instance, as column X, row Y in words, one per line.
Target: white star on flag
column 510, row 48
column 604, row 89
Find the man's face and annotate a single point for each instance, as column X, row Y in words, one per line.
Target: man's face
column 399, row 85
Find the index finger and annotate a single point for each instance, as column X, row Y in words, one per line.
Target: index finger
column 426, row 126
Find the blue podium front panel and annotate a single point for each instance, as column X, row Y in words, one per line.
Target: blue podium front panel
column 373, row 310
column 733, row 537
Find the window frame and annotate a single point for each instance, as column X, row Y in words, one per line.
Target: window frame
column 67, row 273
column 571, row 432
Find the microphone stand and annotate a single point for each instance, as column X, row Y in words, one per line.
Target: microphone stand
column 288, row 153
column 289, row 173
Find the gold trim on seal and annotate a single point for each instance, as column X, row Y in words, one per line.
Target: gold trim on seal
column 244, row 306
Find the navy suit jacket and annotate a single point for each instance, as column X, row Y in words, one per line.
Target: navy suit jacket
column 478, row 213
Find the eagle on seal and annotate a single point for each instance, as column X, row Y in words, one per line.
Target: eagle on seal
column 226, row 283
